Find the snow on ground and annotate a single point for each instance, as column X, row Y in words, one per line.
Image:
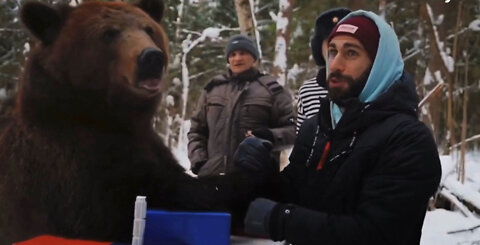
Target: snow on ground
column 440, row 225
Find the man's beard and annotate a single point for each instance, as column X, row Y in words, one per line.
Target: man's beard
column 353, row 90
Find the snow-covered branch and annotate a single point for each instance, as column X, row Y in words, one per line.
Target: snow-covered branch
column 265, row 6
column 464, row 230
column 474, row 25
column 201, row 73
column 210, row 32
column 447, row 194
column 466, row 199
column 447, row 59
column 463, row 195
column 191, row 32
column 473, row 138
column 432, row 92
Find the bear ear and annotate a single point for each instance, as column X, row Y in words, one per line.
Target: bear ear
column 42, row 21
column 154, row 8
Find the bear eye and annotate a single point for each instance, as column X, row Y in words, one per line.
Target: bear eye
column 109, row 35
column 149, row 31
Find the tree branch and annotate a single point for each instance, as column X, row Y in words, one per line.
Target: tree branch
column 454, row 200
column 464, row 230
column 432, row 92
column 473, row 138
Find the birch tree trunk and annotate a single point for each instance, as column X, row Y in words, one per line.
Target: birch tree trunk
column 244, row 14
column 281, row 44
column 248, row 23
column 256, row 32
column 179, row 19
column 382, row 7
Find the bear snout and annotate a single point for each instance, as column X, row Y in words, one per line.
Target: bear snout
column 151, row 68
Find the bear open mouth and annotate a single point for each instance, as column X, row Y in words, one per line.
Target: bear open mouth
column 150, row 84
column 151, row 68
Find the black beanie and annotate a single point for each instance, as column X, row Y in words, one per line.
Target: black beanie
column 323, row 26
column 241, row 42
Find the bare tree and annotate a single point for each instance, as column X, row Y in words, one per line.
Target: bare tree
column 440, row 64
column 247, row 22
column 451, row 84
column 461, row 164
column 244, row 14
column 283, row 17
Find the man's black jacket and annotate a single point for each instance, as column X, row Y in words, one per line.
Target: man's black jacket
column 374, row 185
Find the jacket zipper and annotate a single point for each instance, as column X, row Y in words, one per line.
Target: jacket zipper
column 229, row 135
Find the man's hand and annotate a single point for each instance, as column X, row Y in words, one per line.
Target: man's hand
column 267, row 218
column 258, row 216
column 197, row 166
column 263, row 133
column 253, row 155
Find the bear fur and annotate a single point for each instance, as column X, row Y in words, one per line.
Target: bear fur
column 81, row 145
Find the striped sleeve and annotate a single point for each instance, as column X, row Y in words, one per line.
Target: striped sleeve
column 309, row 96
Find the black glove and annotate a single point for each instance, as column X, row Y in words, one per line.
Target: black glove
column 267, row 218
column 197, row 166
column 253, row 155
column 264, row 133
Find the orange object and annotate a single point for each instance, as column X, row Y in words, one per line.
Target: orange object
column 53, row 240
column 324, row 156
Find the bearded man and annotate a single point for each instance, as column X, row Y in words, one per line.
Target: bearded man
column 361, row 171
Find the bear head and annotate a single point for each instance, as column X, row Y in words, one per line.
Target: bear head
column 96, row 61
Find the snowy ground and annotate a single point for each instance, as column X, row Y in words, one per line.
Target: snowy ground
column 440, row 225
column 440, row 222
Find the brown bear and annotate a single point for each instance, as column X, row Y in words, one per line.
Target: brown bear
column 81, row 145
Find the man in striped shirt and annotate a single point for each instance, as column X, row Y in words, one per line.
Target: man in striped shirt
column 312, row 90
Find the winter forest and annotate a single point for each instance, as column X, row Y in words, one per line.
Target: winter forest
column 439, row 40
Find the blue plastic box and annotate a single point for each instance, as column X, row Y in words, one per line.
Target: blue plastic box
column 186, row 228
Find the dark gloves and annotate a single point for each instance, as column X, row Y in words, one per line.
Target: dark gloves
column 258, row 216
column 197, row 166
column 253, row 155
column 264, row 133
column 267, row 218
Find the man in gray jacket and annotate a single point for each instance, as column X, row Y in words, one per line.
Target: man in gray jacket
column 235, row 105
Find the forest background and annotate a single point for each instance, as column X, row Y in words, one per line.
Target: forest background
column 439, row 40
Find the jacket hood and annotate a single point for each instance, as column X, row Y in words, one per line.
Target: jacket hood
column 387, row 68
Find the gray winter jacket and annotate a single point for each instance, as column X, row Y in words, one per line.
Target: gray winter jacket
column 228, row 107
